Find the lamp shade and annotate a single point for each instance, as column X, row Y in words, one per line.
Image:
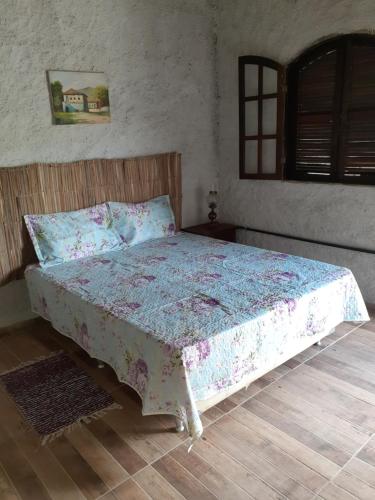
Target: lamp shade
column 212, row 197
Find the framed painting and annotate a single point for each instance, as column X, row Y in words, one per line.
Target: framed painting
column 78, row 97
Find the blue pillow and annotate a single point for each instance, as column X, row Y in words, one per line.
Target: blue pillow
column 137, row 222
column 66, row 236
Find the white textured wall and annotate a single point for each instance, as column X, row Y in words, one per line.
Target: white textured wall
column 159, row 56
column 281, row 29
column 160, row 59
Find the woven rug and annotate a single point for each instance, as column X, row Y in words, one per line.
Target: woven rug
column 54, row 394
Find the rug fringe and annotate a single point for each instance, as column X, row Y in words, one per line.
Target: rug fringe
column 25, row 364
column 85, row 419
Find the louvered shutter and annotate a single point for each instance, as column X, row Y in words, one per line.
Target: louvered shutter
column 314, row 84
column 358, row 127
column 331, row 112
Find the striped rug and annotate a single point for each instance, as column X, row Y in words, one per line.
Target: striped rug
column 54, row 394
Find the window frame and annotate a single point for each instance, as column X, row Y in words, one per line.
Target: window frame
column 259, row 137
column 342, row 44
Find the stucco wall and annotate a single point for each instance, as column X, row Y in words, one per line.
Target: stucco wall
column 281, row 29
column 161, row 61
column 159, row 57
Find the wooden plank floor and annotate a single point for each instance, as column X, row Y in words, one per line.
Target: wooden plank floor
column 305, row 430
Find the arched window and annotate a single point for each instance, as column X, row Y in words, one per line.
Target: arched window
column 260, row 113
column 330, row 114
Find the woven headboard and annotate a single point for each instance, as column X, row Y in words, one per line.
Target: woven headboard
column 43, row 188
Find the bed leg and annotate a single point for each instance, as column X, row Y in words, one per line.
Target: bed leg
column 179, row 425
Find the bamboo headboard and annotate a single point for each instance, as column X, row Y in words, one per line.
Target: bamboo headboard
column 46, row 188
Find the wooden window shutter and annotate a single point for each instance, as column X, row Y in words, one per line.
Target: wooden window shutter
column 330, row 125
column 312, row 104
column 358, row 113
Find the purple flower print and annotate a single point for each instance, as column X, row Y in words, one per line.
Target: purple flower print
column 212, row 257
column 103, row 261
column 272, row 256
column 195, row 354
column 171, row 229
column 115, row 212
column 289, row 275
column 152, row 259
column 198, row 304
column 133, row 306
column 97, row 216
column 141, row 367
column 137, row 280
column 83, row 281
column 221, row 384
column 204, row 350
column 205, row 277
column 138, row 375
column 84, row 336
column 291, row 303
column 124, row 309
column 149, row 278
column 211, row 302
column 164, row 244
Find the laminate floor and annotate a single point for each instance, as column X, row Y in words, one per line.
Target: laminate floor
column 305, row 430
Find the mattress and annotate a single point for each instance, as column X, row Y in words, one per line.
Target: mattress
column 180, row 319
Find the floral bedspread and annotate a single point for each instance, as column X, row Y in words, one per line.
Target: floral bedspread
column 184, row 317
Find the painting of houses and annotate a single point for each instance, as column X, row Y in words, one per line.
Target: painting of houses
column 78, row 97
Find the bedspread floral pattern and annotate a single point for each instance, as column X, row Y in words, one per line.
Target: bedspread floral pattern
column 182, row 318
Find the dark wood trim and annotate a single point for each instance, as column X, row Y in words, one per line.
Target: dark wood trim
column 343, row 96
column 264, row 96
column 218, row 230
column 242, row 99
column 264, row 61
column 241, row 115
column 280, row 123
column 261, row 136
column 275, row 176
column 260, row 118
column 341, row 74
column 342, row 44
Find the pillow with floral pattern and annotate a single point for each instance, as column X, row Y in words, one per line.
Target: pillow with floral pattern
column 138, row 222
column 65, row 236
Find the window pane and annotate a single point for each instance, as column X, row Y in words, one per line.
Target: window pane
column 251, row 157
column 269, row 80
column 269, row 116
column 251, row 80
column 251, row 118
column 269, row 156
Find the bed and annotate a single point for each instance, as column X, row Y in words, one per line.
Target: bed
column 187, row 319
